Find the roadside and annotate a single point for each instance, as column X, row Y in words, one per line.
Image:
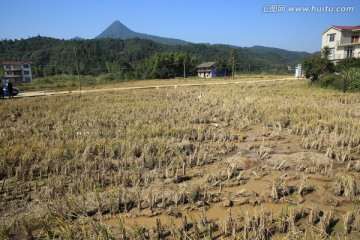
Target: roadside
column 137, row 86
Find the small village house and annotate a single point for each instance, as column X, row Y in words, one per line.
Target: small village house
column 343, row 42
column 208, row 70
column 17, row 72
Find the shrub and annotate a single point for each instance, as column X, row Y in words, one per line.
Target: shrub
column 348, row 80
column 352, row 77
column 315, row 65
column 329, row 81
column 348, row 63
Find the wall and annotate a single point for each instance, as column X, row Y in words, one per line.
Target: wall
column 26, row 72
column 343, row 37
column 325, row 41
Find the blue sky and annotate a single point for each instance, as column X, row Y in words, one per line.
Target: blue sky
column 242, row 23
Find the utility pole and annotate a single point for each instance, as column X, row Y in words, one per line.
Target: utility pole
column 233, row 67
column 77, row 67
column 184, row 70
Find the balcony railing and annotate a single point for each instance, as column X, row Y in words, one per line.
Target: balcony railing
column 12, row 68
column 343, row 56
column 12, row 75
column 346, row 42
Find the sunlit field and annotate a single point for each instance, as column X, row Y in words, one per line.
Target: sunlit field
column 73, row 82
column 271, row 160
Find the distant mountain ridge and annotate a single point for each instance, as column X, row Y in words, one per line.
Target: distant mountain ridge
column 119, row 30
column 130, row 56
column 277, row 54
column 78, row 38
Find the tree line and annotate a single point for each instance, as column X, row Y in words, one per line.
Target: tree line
column 133, row 58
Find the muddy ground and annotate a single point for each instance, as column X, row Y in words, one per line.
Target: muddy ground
column 262, row 161
column 269, row 173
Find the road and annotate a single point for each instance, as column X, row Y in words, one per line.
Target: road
column 55, row 93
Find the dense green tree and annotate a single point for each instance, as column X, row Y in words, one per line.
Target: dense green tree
column 325, row 52
column 221, row 68
column 137, row 58
column 233, row 61
column 316, row 65
column 348, row 63
column 170, row 65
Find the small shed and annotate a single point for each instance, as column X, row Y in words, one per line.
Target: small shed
column 211, row 69
column 205, row 69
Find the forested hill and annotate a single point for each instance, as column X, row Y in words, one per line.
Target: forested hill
column 277, row 53
column 119, row 30
column 137, row 58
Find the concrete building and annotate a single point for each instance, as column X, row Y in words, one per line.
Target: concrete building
column 17, row 72
column 343, row 42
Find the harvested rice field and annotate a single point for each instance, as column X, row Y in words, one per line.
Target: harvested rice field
column 272, row 160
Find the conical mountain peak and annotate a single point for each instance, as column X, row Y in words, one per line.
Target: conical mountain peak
column 119, row 30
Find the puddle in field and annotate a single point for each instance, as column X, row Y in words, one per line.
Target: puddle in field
column 146, row 222
column 279, row 143
column 216, row 212
column 256, row 186
column 286, row 146
column 219, row 212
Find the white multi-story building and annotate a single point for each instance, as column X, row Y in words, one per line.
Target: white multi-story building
column 17, row 71
column 343, row 42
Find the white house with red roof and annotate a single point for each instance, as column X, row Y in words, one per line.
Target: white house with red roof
column 343, row 42
column 18, row 72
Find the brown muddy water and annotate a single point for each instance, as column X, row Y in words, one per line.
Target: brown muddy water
column 265, row 159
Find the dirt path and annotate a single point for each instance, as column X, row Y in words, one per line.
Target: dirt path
column 53, row 93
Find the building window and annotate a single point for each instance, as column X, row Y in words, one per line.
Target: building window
column 331, row 37
column 25, row 65
column 349, row 52
column 26, row 72
column 7, row 66
column 354, row 39
column 332, row 53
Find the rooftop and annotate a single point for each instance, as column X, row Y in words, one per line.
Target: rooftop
column 206, row 65
column 15, row 63
column 349, row 28
column 11, row 63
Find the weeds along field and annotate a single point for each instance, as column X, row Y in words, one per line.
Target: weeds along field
column 242, row 161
